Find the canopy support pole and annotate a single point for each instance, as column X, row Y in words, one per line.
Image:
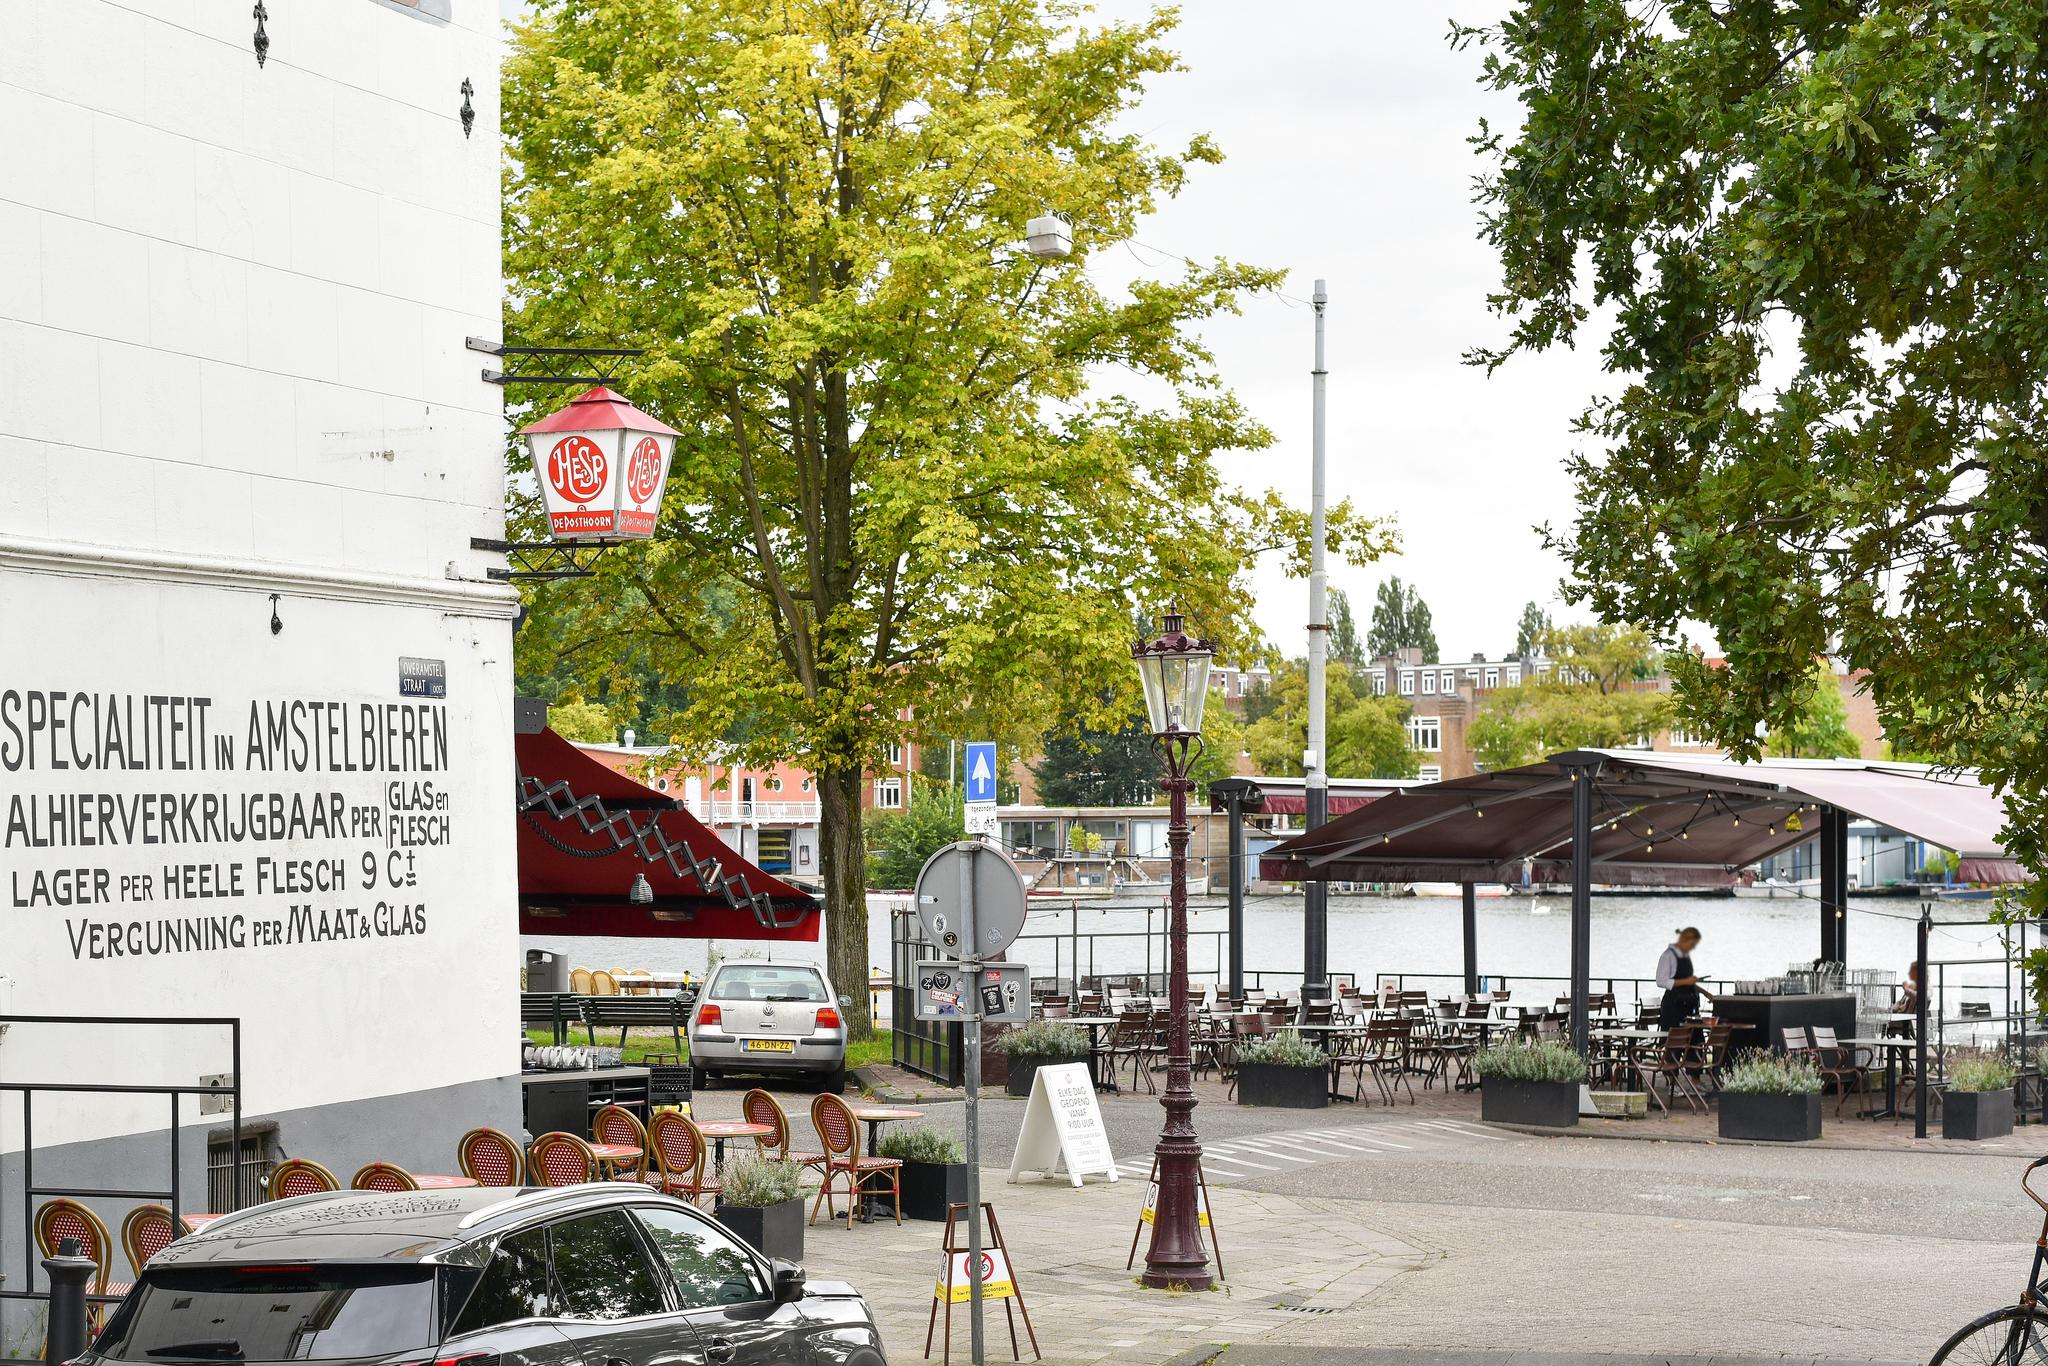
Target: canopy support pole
column 1471, row 895
column 1582, row 771
column 1834, row 885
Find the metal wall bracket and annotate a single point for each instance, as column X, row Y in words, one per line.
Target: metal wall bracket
column 548, row 364
column 537, row 560
column 468, row 110
column 260, row 14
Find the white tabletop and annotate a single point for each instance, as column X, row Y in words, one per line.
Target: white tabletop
column 1890, row 1041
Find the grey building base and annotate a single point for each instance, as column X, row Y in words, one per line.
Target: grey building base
column 418, row 1130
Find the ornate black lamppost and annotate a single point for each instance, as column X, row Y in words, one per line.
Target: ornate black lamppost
column 1175, row 670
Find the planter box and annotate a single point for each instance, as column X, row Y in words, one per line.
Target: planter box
column 1772, row 1118
column 1552, row 1104
column 1024, row 1066
column 771, row 1230
column 1287, row 1088
column 1976, row 1114
column 930, row 1189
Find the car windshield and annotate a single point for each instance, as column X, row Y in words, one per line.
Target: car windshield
column 272, row 1313
column 759, row 982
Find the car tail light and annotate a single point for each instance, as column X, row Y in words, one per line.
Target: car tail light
column 828, row 1018
column 710, row 1015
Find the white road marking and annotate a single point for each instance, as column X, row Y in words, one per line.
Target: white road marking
column 1242, row 1161
column 1443, row 1127
column 1375, row 1138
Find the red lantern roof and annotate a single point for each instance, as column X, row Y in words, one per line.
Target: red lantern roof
column 599, row 410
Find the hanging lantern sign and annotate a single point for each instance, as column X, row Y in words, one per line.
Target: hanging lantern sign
column 602, row 465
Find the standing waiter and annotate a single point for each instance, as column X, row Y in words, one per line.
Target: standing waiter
column 1681, row 984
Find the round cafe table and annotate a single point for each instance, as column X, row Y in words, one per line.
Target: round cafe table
column 875, row 1116
column 719, row 1130
column 428, row 1182
column 615, row 1155
column 194, row 1222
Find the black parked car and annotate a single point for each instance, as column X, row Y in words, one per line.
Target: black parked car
column 598, row 1275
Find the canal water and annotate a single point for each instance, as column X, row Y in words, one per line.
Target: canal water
column 1519, row 937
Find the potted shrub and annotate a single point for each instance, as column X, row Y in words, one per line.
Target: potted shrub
column 1978, row 1102
column 1284, row 1071
column 1523, row 1082
column 934, row 1171
column 1042, row 1043
column 1771, row 1096
column 763, row 1204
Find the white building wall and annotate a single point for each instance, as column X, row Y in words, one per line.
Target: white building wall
column 232, row 308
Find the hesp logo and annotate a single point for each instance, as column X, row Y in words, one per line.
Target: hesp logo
column 643, row 470
column 576, row 469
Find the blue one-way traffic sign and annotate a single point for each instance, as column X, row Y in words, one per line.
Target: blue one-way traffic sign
column 981, row 772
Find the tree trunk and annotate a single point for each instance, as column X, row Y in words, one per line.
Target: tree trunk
column 846, row 885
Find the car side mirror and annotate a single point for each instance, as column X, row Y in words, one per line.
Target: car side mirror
column 789, row 1280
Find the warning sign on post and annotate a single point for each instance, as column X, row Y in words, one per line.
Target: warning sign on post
column 995, row 1278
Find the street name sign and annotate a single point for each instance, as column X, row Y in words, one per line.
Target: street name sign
column 1063, row 1124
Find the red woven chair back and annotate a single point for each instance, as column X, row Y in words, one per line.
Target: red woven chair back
column 59, row 1219
column 382, row 1176
column 146, row 1231
column 297, row 1176
column 678, row 1145
column 560, row 1159
column 616, row 1124
column 761, row 1108
column 489, row 1158
column 837, row 1128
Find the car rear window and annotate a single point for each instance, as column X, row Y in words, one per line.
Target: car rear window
column 763, row 983
column 264, row 1313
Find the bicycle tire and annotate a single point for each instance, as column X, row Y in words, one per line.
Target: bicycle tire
column 2016, row 1335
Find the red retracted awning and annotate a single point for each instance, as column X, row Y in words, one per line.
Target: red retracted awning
column 585, row 831
column 1296, row 804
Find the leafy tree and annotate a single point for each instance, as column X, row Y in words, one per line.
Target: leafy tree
column 893, row 455
column 588, row 723
column 1821, row 728
column 1084, row 766
column 900, row 842
column 1400, row 621
column 1608, row 658
column 1345, row 647
column 1523, row 724
column 1851, row 192
column 1367, row 735
column 1531, row 630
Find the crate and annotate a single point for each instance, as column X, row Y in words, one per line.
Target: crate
column 1622, row 1104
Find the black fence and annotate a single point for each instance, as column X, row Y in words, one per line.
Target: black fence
column 31, row 1193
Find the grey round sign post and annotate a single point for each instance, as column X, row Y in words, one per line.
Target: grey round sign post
column 970, row 899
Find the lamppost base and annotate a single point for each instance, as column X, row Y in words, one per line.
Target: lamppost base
column 1166, row 1278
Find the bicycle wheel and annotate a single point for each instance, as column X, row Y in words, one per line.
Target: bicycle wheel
column 2013, row 1336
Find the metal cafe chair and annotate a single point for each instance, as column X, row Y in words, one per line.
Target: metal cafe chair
column 615, row 1124
column 146, row 1231
column 680, row 1156
column 61, row 1218
column 762, row 1108
column 491, row 1158
column 559, row 1159
column 300, row 1176
column 864, row 1176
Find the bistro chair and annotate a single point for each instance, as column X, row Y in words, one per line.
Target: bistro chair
column 865, row 1176
column 146, row 1231
column 383, row 1176
column 62, row 1218
column 1678, row 1059
column 602, row 983
column 579, row 981
column 761, row 1108
column 617, row 1124
column 679, row 1156
column 1837, row 1064
column 491, row 1158
column 300, row 1176
column 560, row 1159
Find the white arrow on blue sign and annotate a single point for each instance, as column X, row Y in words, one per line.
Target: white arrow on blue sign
column 981, row 772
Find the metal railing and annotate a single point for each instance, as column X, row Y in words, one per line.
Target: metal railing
column 712, row 812
column 1408, row 981
column 29, row 1090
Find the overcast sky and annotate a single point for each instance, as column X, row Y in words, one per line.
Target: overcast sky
column 1344, row 126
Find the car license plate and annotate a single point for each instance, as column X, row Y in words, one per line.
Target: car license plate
column 768, row 1045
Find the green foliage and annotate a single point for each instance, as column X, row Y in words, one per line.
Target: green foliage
column 1531, row 630
column 1820, row 729
column 898, row 466
column 1345, row 646
column 1530, row 1060
column 1522, row 724
column 1284, row 1049
column 1979, row 1072
column 1761, row 1072
column 1045, row 1039
column 899, row 842
column 1940, row 865
column 754, row 1182
column 1813, row 234
column 1400, row 621
column 921, row 1143
column 1368, row 735
column 588, row 723
column 1083, row 766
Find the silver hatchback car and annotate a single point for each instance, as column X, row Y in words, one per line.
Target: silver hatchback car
column 775, row 1018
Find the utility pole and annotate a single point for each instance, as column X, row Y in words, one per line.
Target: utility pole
column 1315, row 948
